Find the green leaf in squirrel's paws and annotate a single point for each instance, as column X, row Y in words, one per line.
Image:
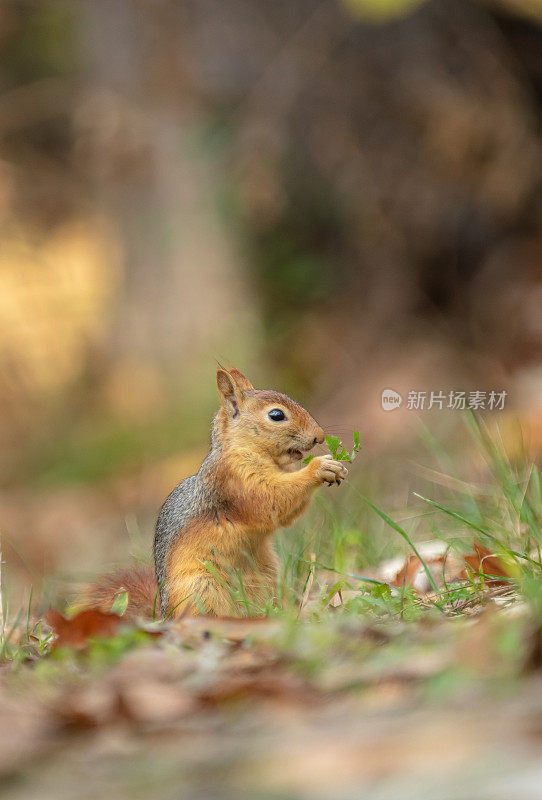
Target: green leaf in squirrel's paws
column 333, row 444
column 308, row 459
column 120, row 603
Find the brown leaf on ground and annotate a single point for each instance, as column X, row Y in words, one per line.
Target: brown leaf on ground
column 86, row 707
column 408, row 573
column 233, row 629
column 76, row 631
column 337, row 600
column 263, row 684
column 484, row 561
column 25, row 733
column 154, row 702
column 106, row 702
column 411, row 571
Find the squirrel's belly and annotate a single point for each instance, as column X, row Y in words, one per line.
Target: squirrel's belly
column 203, row 577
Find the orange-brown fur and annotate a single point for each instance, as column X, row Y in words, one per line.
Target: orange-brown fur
column 139, row 582
column 230, row 551
column 216, row 533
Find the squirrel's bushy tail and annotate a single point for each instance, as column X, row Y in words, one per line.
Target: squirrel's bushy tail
column 139, row 582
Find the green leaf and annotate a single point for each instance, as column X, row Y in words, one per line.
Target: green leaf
column 120, row 603
column 333, row 444
column 308, row 459
column 343, row 455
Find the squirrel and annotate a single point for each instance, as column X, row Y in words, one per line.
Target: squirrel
column 214, row 532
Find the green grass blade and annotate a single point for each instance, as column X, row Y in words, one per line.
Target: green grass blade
column 177, row 606
column 401, row 532
column 28, row 611
column 361, row 578
column 244, row 598
column 477, row 528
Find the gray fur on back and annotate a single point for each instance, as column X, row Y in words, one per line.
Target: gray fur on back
column 190, row 499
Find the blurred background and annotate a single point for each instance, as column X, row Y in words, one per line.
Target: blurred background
column 336, row 196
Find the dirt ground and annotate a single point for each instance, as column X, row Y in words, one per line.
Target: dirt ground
column 230, row 710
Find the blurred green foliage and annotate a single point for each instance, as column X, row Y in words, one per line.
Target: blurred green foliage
column 41, row 44
column 380, row 10
column 296, row 250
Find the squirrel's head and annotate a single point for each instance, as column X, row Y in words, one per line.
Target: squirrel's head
column 265, row 421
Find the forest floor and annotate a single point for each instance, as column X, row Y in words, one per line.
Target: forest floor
column 339, row 706
column 408, row 669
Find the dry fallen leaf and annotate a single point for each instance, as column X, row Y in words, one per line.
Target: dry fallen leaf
column 401, row 572
column 25, row 732
column 409, row 572
column 86, row 707
column 154, row 702
column 483, row 560
column 232, row 629
column 264, row 684
column 76, row 631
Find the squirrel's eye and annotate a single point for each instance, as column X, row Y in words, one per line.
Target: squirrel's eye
column 276, row 415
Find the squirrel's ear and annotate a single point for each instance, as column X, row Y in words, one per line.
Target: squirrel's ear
column 242, row 382
column 230, row 394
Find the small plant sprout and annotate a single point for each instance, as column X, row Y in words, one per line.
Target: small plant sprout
column 338, row 450
column 120, row 603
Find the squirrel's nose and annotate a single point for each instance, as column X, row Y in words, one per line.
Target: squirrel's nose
column 319, row 438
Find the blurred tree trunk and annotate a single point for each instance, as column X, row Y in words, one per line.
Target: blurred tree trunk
column 527, row 8
column 140, row 127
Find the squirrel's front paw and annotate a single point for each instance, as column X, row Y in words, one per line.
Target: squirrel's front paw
column 330, row 471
